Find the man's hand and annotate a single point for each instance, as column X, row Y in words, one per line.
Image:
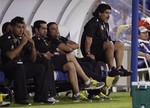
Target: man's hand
column 91, row 56
column 28, row 35
column 24, row 39
column 48, row 55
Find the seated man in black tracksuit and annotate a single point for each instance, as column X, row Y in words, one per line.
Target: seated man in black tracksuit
column 64, row 45
column 97, row 44
column 63, row 62
column 18, row 56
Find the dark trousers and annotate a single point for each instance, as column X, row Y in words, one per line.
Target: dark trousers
column 92, row 69
column 20, row 72
column 50, row 71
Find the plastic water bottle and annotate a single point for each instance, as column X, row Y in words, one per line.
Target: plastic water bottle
column 143, row 106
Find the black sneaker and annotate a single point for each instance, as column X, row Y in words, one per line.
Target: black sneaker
column 107, row 98
column 103, row 96
column 44, row 102
column 52, row 99
column 23, row 102
column 3, row 104
column 95, row 98
column 125, row 72
column 81, row 98
column 114, row 72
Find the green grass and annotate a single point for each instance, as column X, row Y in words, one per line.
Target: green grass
column 119, row 100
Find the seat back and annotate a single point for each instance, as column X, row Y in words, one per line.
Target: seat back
column 60, row 76
column 143, row 69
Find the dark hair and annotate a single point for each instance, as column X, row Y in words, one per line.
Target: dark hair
column 48, row 25
column 139, row 32
column 100, row 9
column 16, row 20
column 5, row 27
column 37, row 24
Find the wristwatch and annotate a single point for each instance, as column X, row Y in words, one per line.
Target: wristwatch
column 88, row 53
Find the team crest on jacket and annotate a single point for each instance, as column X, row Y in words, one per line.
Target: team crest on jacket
column 12, row 47
column 102, row 27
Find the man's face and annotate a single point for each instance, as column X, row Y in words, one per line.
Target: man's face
column 53, row 31
column 144, row 36
column 42, row 31
column 105, row 15
column 18, row 29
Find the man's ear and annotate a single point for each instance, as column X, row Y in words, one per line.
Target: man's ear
column 36, row 30
column 11, row 28
column 99, row 14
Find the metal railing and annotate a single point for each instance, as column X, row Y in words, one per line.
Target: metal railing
column 145, row 11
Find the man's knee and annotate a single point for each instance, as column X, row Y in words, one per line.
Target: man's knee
column 70, row 57
column 119, row 44
column 19, row 72
column 20, row 68
column 108, row 45
column 40, row 69
column 69, row 66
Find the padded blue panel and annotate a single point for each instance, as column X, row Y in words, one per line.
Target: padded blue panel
column 61, row 75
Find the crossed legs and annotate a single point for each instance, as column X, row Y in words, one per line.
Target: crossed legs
column 78, row 68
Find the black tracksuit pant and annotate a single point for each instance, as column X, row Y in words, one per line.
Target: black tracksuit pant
column 20, row 72
column 50, row 71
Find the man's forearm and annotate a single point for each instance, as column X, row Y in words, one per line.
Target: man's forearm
column 33, row 53
column 15, row 52
column 88, row 43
